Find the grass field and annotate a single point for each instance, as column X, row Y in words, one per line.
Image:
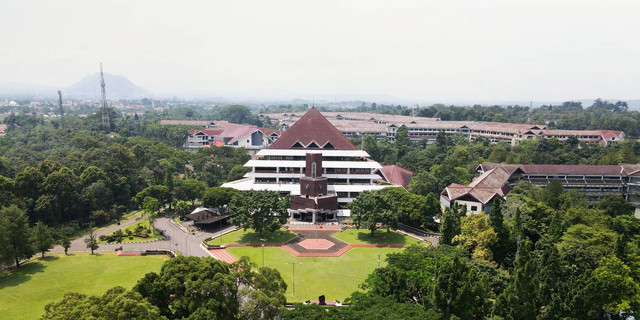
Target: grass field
column 336, row 278
column 25, row 292
column 363, row 236
column 249, row 236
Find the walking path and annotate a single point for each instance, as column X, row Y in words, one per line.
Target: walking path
column 176, row 239
column 223, row 255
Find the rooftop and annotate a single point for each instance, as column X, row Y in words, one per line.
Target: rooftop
column 313, row 128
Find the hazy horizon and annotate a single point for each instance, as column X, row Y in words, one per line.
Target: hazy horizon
column 412, row 50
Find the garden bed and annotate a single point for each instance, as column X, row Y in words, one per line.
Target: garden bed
column 139, row 232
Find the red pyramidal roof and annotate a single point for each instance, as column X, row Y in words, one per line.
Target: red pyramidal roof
column 313, row 131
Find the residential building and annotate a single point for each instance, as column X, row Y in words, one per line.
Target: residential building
column 248, row 137
column 224, row 133
column 497, row 179
column 318, row 167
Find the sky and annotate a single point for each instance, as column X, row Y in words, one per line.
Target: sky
column 449, row 50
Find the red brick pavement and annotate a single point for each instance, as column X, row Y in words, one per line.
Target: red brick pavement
column 223, row 255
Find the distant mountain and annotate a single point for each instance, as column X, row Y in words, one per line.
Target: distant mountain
column 26, row 90
column 117, row 86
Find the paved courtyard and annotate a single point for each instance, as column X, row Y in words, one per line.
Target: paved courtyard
column 304, row 242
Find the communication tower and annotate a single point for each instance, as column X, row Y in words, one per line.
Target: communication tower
column 104, row 109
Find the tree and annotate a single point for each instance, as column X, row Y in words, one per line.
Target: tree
column 93, row 174
column 518, row 300
column 450, row 226
column 237, row 172
column 476, row 236
column 92, row 240
column 459, row 291
column 182, row 209
column 551, row 194
column 261, row 293
column 66, row 244
column 371, row 147
column 61, row 189
column 192, row 287
column 189, row 190
column 402, row 141
column 151, row 206
column 217, row 197
column 423, row 183
column 263, row 211
column 412, row 209
column 371, row 208
column 235, row 113
column 98, row 196
column 15, row 235
column 500, row 247
column 614, row 206
column 42, row 238
column 614, row 289
column 6, row 191
column 115, row 304
column 157, row 191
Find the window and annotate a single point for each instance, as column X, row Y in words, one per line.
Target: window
column 474, row 208
column 313, row 170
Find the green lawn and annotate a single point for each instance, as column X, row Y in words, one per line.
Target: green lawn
column 335, row 277
column 24, row 292
column 250, row 236
column 363, row 236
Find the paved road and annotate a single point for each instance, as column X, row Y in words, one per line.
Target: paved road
column 175, row 239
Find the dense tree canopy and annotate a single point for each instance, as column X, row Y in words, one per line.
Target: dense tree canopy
column 262, row 211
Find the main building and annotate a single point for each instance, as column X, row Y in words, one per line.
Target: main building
column 319, row 168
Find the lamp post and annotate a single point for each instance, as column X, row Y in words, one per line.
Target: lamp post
column 293, row 283
column 262, row 240
column 186, row 245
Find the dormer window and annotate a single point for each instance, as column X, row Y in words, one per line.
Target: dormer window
column 328, row 145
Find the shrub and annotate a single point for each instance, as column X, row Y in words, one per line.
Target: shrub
column 130, row 237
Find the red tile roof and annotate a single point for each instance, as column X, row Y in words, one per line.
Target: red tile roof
column 484, row 188
column 571, row 169
column 218, row 123
column 577, row 169
column 608, row 134
column 396, row 175
column 313, row 127
column 209, row 132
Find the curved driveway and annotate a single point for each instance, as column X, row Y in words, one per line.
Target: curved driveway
column 175, row 239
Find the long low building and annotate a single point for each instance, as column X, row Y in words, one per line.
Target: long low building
column 384, row 126
column 319, row 168
column 497, row 179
